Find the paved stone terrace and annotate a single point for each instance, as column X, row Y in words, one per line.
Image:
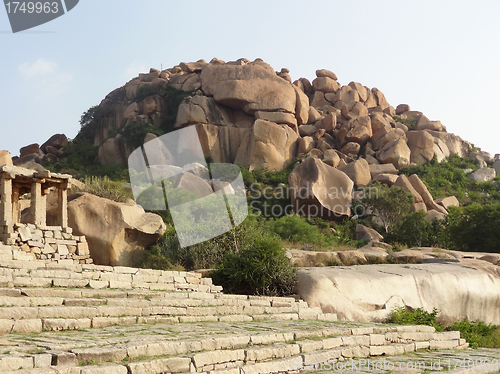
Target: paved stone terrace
column 68, row 318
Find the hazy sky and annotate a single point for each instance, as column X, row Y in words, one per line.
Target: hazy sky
column 440, row 57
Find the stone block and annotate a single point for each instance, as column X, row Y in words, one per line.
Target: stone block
column 71, row 283
column 24, row 234
column 8, row 363
column 42, row 360
column 61, row 358
column 100, row 354
column 104, row 369
column 27, row 326
column 82, row 249
column 163, row 365
column 377, row 339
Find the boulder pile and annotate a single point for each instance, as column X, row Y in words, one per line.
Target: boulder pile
column 247, row 113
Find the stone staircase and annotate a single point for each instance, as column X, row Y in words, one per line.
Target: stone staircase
column 89, row 319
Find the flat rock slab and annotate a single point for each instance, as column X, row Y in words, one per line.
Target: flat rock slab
column 468, row 289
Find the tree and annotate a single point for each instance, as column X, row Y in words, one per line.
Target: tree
column 389, row 204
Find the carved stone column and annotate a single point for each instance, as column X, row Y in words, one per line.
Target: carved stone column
column 62, row 207
column 6, row 224
column 38, row 210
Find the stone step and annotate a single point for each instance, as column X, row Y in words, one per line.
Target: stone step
column 27, row 274
column 242, row 354
column 63, row 319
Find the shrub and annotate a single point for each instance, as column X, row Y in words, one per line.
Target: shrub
column 210, row 253
column 106, row 188
column 410, row 122
column 173, row 99
column 145, row 91
column 477, row 334
column 475, row 228
column 415, row 231
column 446, row 178
column 297, row 229
column 259, row 269
column 404, row 316
column 390, row 205
column 135, row 132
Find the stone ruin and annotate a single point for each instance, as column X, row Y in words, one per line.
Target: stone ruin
column 20, row 188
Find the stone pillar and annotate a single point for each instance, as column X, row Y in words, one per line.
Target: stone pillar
column 62, row 207
column 16, row 214
column 38, row 210
column 6, row 224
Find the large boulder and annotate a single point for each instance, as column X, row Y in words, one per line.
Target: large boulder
column 301, row 106
column 221, row 143
column 358, row 171
column 320, row 190
column 482, row 175
column 455, row 144
column 117, row 233
column 325, row 85
column 114, row 151
column 395, row 152
column 201, row 109
column 421, row 145
column 252, row 87
column 403, row 182
column 5, row 158
column 382, row 169
column 57, row 141
column 465, row 290
column 268, row 145
column 446, row 202
column 29, row 150
column 422, row 190
column 367, row 233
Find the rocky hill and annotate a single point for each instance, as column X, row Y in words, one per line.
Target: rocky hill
column 246, row 113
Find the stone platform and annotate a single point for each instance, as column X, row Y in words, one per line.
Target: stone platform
column 67, row 318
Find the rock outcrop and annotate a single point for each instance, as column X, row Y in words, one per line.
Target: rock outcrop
column 248, row 114
column 128, row 229
column 320, row 190
column 463, row 290
column 228, row 102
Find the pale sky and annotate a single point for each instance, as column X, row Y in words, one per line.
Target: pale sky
column 440, row 57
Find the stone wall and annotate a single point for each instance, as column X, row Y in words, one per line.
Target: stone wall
column 52, row 243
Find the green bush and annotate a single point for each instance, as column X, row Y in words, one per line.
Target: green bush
column 404, row 316
column 475, row 228
column 259, row 269
column 414, row 230
column 145, row 91
column 477, row 334
column 446, row 178
column 410, row 122
column 296, row 229
column 210, row 253
column 106, row 188
column 80, row 161
column 389, row 205
column 135, row 132
column 173, row 99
